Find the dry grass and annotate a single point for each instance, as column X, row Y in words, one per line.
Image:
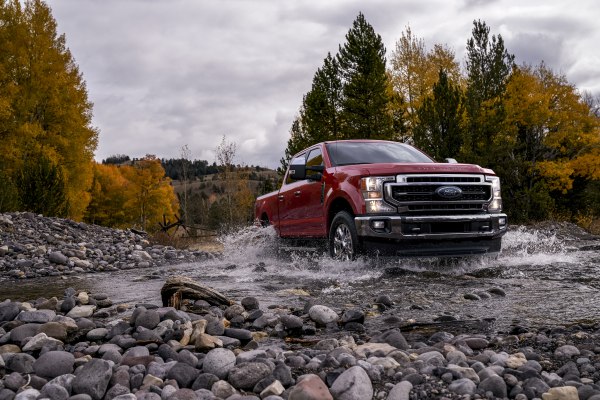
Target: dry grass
column 207, row 243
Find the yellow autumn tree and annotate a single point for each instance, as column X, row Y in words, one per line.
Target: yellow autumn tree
column 109, row 194
column 562, row 135
column 549, row 138
column 150, row 193
column 414, row 71
column 44, row 109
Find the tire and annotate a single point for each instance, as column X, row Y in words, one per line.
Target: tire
column 264, row 221
column 343, row 239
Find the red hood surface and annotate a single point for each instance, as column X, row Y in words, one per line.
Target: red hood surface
column 412, row 168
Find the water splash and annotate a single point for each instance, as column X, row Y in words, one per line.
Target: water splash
column 256, row 247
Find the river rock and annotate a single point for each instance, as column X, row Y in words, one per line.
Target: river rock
column 28, row 394
column 352, row 384
column 245, row 376
column 219, row 362
column 463, row 386
column 81, row 311
column 14, row 381
column 561, row 393
column 322, row 315
column 54, row 392
column 400, row 391
column 494, row 384
column 24, row 331
column 20, row 362
column 222, row 389
column 292, row 322
column 58, row 258
column 148, row 319
column 240, row 334
column 183, row 373
column 54, row 330
column 92, row 379
column 97, row 334
column 567, row 351
column 54, row 363
column 310, row 387
column 205, row 381
column 250, row 303
column 9, row 311
column 393, row 337
column 40, row 340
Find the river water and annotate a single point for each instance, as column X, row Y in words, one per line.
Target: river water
column 549, row 276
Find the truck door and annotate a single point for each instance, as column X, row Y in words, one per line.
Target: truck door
column 300, row 202
column 313, row 224
column 289, row 201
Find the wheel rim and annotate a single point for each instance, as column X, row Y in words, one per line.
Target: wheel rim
column 342, row 243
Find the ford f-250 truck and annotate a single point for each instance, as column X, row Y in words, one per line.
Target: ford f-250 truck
column 385, row 197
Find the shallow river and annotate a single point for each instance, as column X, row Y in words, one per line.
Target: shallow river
column 548, row 278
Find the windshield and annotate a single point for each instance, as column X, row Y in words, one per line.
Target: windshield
column 348, row 153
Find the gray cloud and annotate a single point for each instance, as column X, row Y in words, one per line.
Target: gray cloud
column 163, row 74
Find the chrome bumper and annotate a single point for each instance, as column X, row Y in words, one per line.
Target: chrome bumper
column 432, row 227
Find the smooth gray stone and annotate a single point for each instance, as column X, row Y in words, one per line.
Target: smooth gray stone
column 92, row 379
column 219, row 362
column 246, row 375
column 184, row 374
column 54, row 363
column 463, row 386
column 352, row 384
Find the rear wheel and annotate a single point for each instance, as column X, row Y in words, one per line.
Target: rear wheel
column 264, row 221
column 343, row 239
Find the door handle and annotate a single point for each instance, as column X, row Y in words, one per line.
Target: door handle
column 280, row 197
column 297, row 193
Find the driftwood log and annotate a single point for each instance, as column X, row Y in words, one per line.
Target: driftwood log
column 179, row 288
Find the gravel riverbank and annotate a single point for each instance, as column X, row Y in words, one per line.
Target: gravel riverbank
column 33, row 246
column 82, row 346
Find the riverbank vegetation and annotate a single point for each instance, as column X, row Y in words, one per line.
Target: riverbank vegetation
column 538, row 131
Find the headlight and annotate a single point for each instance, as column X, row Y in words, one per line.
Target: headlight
column 496, row 204
column 372, row 191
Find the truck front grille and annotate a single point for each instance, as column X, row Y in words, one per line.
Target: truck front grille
column 439, row 193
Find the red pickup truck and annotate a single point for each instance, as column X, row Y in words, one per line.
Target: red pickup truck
column 385, row 197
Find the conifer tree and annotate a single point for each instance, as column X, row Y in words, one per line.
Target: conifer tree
column 322, row 105
column 365, row 99
column 439, row 130
column 489, row 66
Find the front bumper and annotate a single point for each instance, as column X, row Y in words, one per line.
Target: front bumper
column 432, row 235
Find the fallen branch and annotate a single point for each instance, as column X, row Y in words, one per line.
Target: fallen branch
column 179, row 288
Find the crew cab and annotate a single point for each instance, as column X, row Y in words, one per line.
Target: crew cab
column 388, row 198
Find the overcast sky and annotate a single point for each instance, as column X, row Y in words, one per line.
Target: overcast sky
column 167, row 73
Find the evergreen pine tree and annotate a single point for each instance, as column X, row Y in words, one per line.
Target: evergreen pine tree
column 365, row 98
column 489, row 66
column 439, row 130
column 322, row 105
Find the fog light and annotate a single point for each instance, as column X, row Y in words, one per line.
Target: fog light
column 502, row 221
column 378, row 224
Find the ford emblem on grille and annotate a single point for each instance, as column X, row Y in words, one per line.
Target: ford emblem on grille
column 449, row 192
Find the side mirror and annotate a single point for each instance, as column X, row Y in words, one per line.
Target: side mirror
column 316, row 168
column 297, row 172
column 315, row 177
column 319, row 172
column 451, row 161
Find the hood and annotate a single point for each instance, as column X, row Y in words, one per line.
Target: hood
column 413, row 168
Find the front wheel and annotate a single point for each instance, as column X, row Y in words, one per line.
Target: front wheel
column 343, row 239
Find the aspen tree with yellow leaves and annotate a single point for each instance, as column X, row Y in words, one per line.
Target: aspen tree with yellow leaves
column 45, row 113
